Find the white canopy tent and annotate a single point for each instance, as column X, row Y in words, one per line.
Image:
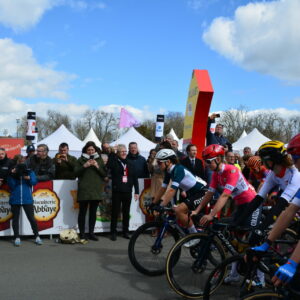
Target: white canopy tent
column 91, row 136
column 242, row 135
column 253, row 140
column 172, row 132
column 61, row 135
column 144, row 145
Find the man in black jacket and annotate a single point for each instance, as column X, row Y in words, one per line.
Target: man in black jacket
column 5, row 166
column 192, row 163
column 42, row 164
column 138, row 161
column 123, row 176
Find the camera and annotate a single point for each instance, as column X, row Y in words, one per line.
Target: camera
column 217, row 115
column 91, row 156
column 22, row 170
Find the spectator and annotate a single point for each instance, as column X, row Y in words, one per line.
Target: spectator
column 247, row 151
column 169, row 138
column 5, row 166
column 156, row 174
column 246, row 169
column 230, row 159
column 192, row 163
column 20, row 183
column 124, row 177
column 91, row 179
column 64, row 163
column 138, row 161
column 30, row 150
column 175, row 146
column 41, row 164
column 217, row 137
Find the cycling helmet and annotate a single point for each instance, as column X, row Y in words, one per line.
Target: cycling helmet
column 293, row 147
column 272, row 150
column 165, row 154
column 213, row 151
column 254, row 162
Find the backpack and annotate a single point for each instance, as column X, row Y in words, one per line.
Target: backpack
column 69, row 236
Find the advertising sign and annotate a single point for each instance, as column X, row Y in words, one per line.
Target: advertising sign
column 12, row 146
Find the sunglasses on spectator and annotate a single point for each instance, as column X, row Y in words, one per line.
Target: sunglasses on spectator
column 209, row 160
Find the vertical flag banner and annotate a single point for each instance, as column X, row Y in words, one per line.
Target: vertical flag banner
column 159, row 129
column 31, row 126
column 197, row 109
column 127, row 119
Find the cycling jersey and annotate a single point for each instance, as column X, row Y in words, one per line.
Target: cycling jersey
column 182, row 178
column 231, row 181
column 289, row 183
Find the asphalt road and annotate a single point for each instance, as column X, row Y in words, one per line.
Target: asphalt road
column 97, row 270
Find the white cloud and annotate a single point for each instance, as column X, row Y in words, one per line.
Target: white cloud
column 98, row 45
column 262, row 36
column 23, row 15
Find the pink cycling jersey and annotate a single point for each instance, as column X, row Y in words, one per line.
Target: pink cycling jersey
column 231, row 181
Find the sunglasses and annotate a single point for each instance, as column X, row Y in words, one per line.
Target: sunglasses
column 159, row 162
column 209, row 160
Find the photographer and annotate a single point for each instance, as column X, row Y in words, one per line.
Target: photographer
column 42, row 164
column 5, row 166
column 64, row 163
column 92, row 175
column 21, row 181
column 217, row 137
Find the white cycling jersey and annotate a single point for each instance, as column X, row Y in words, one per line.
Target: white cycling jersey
column 289, row 183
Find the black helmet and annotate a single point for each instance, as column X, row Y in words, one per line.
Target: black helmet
column 30, row 148
column 272, row 150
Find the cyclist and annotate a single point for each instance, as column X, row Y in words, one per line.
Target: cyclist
column 258, row 172
column 183, row 179
column 231, row 181
column 286, row 272
column 282, row 173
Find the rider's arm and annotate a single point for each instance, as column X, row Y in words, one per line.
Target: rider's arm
column 220, row 204
column 207, row 197
column 283, row 222
column 169, row 195
column 159, row 194
column 296, row 254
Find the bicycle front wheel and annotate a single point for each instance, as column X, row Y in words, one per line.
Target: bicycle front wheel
column 264, row 295
column 190, row 261
column 147, row 251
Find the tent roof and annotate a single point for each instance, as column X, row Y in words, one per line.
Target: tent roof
column 253, row 140
column 243, row 134
column 132, row 135
column 62, row 135
column 91, row 136
column 172, row 132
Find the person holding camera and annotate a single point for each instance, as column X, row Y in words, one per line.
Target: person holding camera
column 92, row 175
column 21, row 181
column 64, row 163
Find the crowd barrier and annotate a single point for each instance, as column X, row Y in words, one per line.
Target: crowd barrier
column 56, row 208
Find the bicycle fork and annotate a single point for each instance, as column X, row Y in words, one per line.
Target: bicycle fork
column 202, row 249
column 156, row 248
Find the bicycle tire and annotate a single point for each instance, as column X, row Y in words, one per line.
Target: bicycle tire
column 263, row 295
column 140, row 250
column 287, row 242
column 185, row 277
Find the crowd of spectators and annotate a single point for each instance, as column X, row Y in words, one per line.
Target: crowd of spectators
column 96, row 167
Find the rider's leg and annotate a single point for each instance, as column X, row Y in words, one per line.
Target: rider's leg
column 181, row 212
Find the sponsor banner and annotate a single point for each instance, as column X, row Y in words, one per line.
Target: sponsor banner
column 58, row 209
column 5, row 213
column 12, row 146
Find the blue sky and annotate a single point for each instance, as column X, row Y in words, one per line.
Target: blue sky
column 72, row 55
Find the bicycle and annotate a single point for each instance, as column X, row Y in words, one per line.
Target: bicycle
column 151, row 242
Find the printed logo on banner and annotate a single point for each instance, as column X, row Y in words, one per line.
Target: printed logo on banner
column 46, row 207
column 5, row 211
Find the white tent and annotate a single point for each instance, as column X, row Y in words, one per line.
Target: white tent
column 172, row 132
column 132, row 135
column 243, row 134
column 253, row 140
column 61, row 135
column 91, row 136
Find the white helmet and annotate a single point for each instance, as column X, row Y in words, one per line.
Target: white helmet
column 165, row 154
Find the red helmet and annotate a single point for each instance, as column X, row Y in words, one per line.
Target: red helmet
column 213, row 151
column 293, row 147
column 254, row 162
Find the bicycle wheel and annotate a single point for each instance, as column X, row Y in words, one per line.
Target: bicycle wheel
column 263, row 295
column 190, row 261
column 216, row 278
column 287, row 242
column 144, row 255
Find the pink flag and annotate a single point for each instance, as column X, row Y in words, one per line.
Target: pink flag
column 127, row 120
